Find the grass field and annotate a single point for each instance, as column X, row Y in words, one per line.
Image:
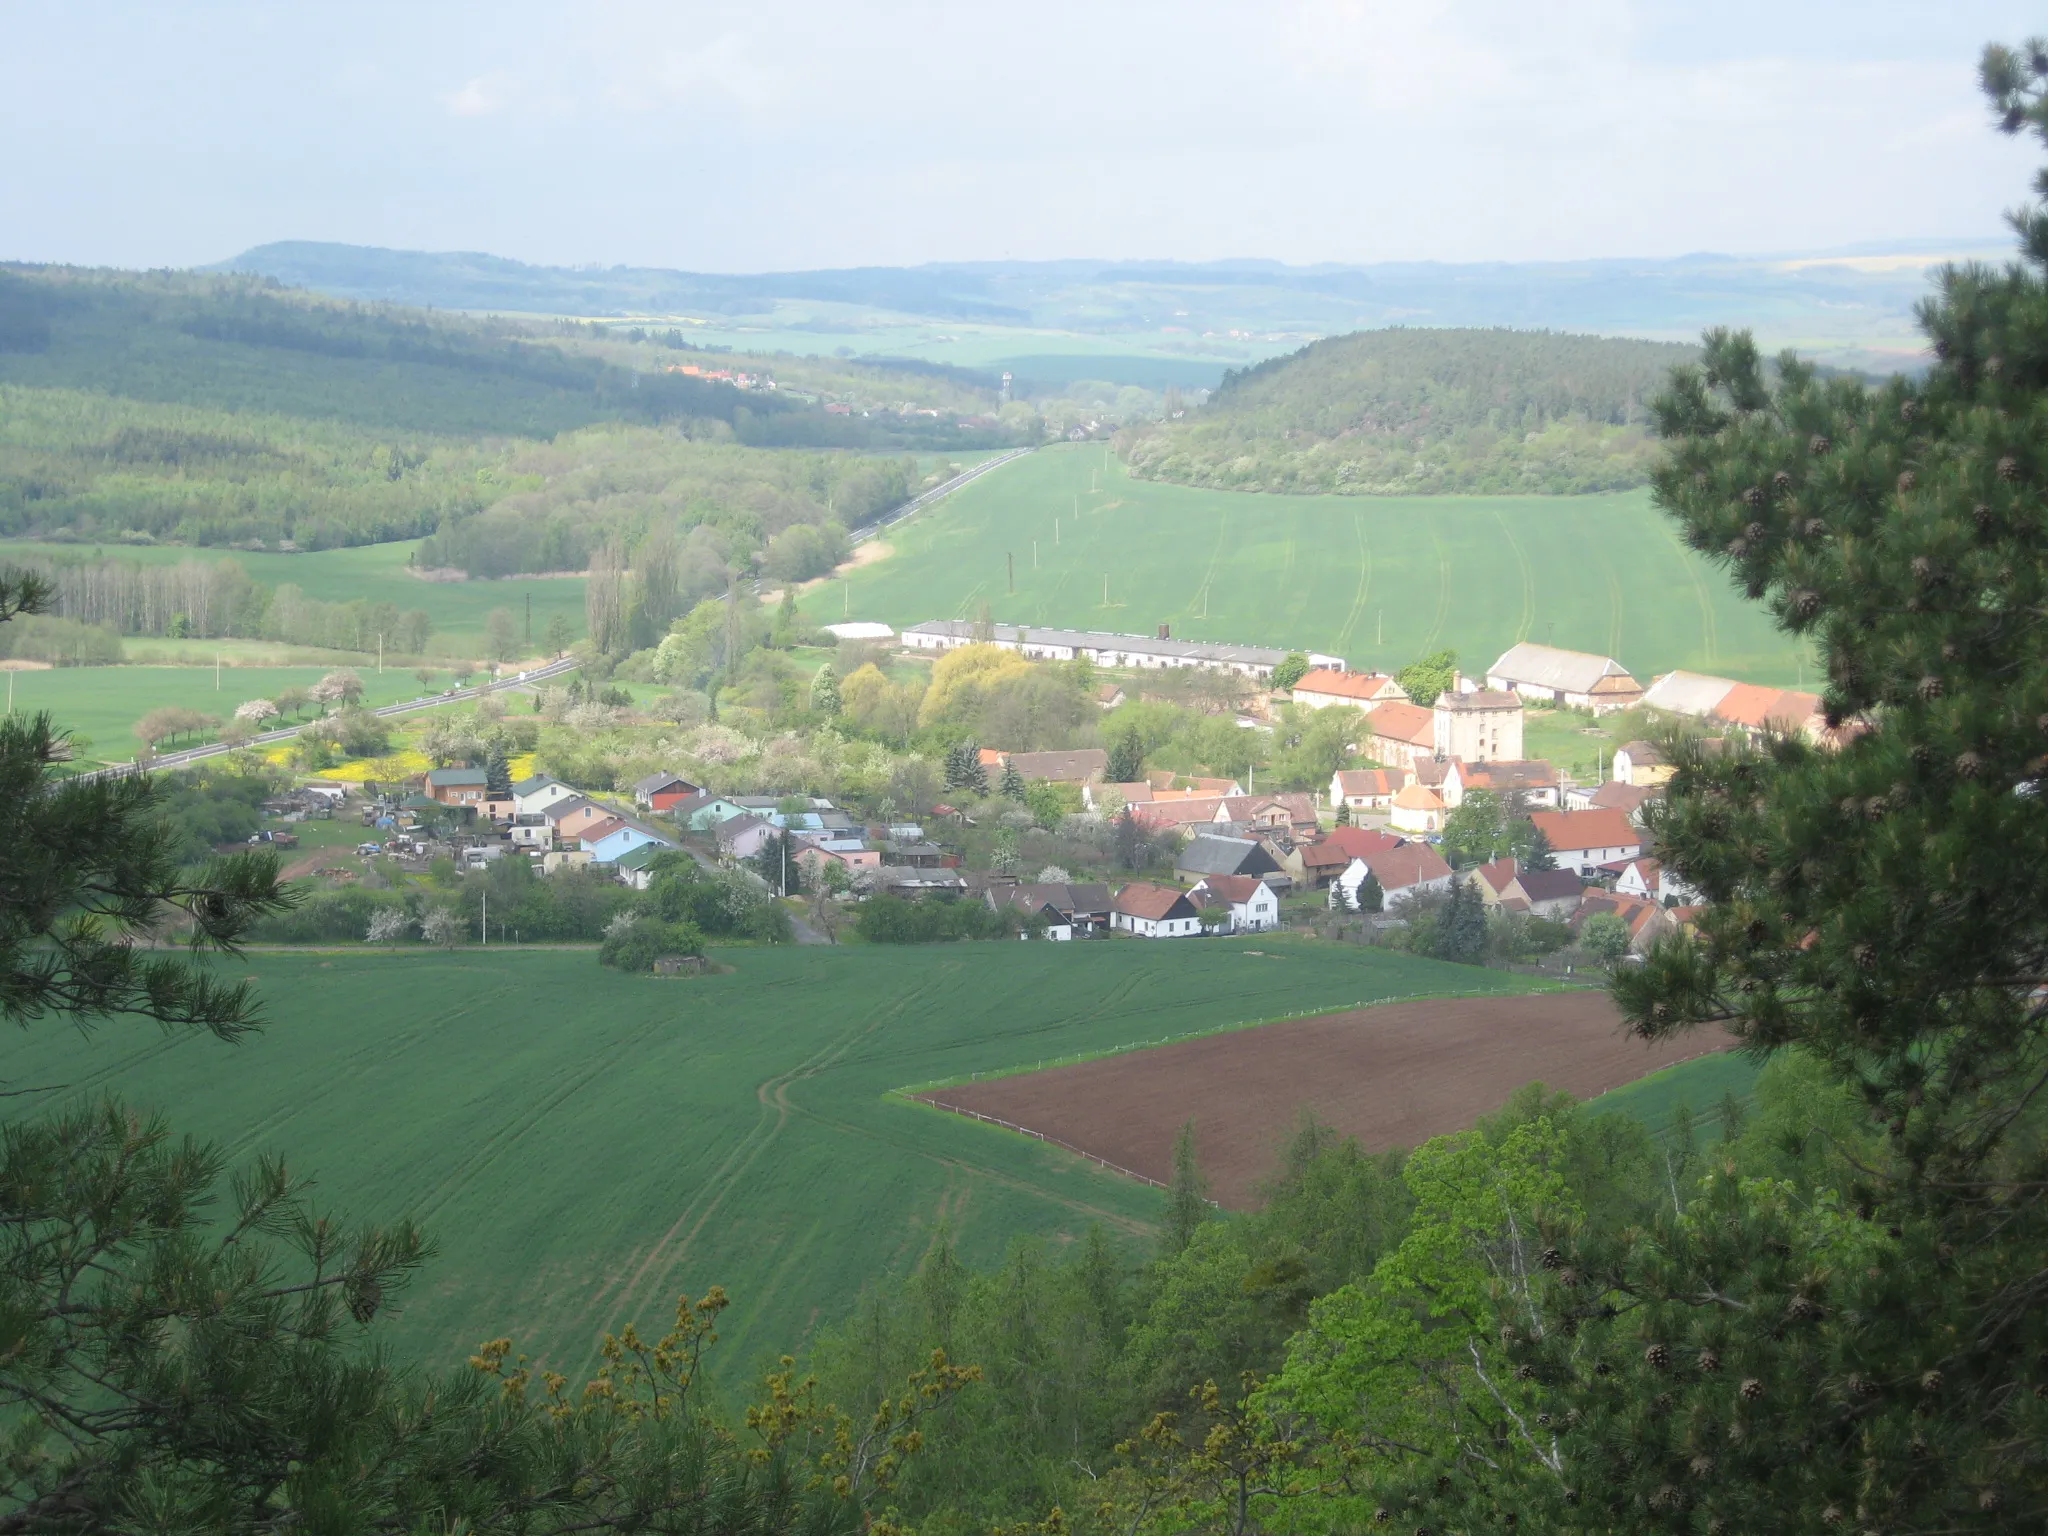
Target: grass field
column 377, row 573
column 583, row 1145
column 104, row 703
column 1698, row 1085
column 1378, row 581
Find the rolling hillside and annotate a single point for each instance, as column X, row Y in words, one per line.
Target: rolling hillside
column 1378, row 580
column 1420, row 412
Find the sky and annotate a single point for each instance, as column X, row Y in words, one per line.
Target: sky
column 791, row 134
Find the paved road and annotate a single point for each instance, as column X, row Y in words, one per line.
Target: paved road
column 937, row 493
column 406, row 707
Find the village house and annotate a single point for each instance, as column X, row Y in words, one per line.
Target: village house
column 1582, row 841
column 534, row 831
column 530, row 796
column 1322, row 687
column 1576, row 679
column 741, row 837
column 1366, row 789
column 1254, row 905
column 1645, row 920
column 703, row 811
column 564, row 858
column 814, row 850
column 1641, row 765
column 573, row 816
column 1754, row 710
column 1109, row 696
column 1331, row 854
column 635, row 867
column 1551, row 893
column 1150, row 911
column 1480, row 726
column 1033, row 901
column 1417, row 811
column 662, row 792
column 1084, row 765
column 1103, row 648
column 1612, row 796
column 1404, row 872
column 1400, row 735
column 456, row 786
column 1078, row 910
column 1637, row 877
column 606, row 840
column 1164, row 781
column 1528, row 783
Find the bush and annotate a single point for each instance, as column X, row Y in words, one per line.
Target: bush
column 1604, row 936
column 637, row 944
column 892, row 920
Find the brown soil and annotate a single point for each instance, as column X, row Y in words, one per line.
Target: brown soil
column 1391, row 1076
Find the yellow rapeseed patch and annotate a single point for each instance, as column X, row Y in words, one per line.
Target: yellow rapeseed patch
column 520, row 767
column 397, row 765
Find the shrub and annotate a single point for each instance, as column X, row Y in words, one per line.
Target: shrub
column 636, row 945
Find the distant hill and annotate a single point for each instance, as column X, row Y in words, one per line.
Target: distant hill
column 1407, row 412
column 1833, row 304
column 226, row 409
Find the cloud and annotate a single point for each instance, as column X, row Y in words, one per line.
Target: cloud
column 484, row 96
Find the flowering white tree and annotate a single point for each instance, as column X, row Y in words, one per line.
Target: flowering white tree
column 256, row 711
column 620, row 925
column 441, row 926
column 342, row 687
column 388, row 923
column 1052, row 874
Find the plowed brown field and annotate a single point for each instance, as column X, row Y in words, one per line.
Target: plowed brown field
column 1392, row 1076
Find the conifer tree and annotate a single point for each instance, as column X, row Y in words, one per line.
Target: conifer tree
column 1187, row 1198
column 825, row 693
column 1343, row 812
column 1011, row 786
column 1126, row 756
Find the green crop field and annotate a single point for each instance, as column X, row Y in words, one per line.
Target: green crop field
column 376, row 573
column 104, row 703
column 584, row 1145
column 1378, row 581
column 1698, row 1086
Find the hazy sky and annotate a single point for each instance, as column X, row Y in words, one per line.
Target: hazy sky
column 791, row 133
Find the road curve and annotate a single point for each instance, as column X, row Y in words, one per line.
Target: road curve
column 937, row 493
column 404, row 707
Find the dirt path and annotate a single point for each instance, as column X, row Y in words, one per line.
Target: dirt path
column 1392, row 1076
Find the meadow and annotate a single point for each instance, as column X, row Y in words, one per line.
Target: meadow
column 584, row 1145
column 104, row 703
column 376, row 573
column 1377, row 580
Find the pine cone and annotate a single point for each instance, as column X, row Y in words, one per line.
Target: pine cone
column 1818, row 445
column 1908, row 480
column 1908, row 409
column 1665, row 1497
column 1989, row 1500
column 1443, row 1484
column 1994, row 365
column 1525, row 1373
column 1831, row 1516
column 1551, row 1258
column 1968, row 765
column 1381, row 1516
column 1701, row 1466
column 1658, row 1356
column 1930, row 1381
column 1568, row 1278
column 365, row 1296
column 1709, row 1360
column 1815, row 527
column 2008, row 468
column 1931, row 687
column 1752, row 1389
column 1982, row 514
column 1753, row 497
column 1781, row 482
column 1601, row 1368
column 1737, row 548
column 1805, row 1308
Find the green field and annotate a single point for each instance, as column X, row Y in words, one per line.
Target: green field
column 376, row 573
column 583, row 1145
column 1698, row 1085
column 1378, row 581
column 104, row 703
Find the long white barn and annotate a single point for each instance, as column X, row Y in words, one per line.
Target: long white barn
column 1109, row 650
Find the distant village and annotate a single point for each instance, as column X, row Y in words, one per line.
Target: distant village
column 1244, row 859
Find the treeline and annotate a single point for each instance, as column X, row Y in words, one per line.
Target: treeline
column 1406, row 412
column 217, row 599
column 723, row 504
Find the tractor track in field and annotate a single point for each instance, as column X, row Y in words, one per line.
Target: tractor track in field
column 1443, row 590
column 1364, row 586
column 1528, row 619
column 773, row 1096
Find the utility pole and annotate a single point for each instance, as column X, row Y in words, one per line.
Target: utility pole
column 1105, row 589
column 380, row 655
column 1034, row 554
column 487, row 915
column 1010, row 564
column 216, row 671
column 529, row 621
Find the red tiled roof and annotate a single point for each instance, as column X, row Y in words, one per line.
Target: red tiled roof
column 1397, row 869
column 1363, row 686
column 1636, row 911
column 1359, row 842
column 1371, row 781
column 1176, row 813
column 1569, row 831
column 1408, row 723
column 1139, row 899
column 1498, row 875
column 1233, row 888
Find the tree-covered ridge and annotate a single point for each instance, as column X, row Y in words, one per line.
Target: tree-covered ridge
column 1405, row 411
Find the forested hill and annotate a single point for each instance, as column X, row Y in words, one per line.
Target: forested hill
column 1418, row 411
column 226, row 409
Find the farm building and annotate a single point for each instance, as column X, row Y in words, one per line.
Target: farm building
column 1578, row 679
column 1254, row 905
column 1366, row 789
column 1206, row 854
column 1552, row 893
column 1612, row 796
column 663, row 791
column 1582, row 841
column 1105, row 649
column 1721, row 702
column 1086, row 765
column 1324, row 686
column 1417, row 810
column 1480, row 726
column 1400, row 735
column 1150, row 911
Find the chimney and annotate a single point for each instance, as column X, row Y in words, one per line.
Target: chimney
column 1166, row 631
